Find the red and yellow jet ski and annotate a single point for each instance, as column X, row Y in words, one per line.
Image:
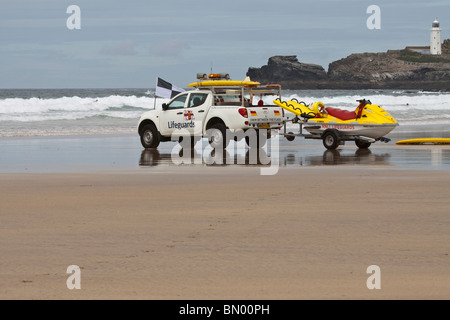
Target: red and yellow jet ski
column 366, row 124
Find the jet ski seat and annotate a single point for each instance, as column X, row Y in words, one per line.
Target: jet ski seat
column 341, row 114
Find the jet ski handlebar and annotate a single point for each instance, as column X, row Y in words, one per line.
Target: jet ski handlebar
column 364, row 101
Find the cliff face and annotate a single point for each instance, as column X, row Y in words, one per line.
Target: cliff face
column 395, row 69
column 397, row 65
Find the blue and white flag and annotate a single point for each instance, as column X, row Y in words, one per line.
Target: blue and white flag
column 165, row 89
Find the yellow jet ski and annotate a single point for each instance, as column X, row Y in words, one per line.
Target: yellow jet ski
column 366, row 124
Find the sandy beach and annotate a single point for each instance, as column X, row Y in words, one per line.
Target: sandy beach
column 222, row 232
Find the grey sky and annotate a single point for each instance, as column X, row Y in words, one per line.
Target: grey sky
column 130, row 43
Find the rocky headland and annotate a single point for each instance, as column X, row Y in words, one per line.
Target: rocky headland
column 394, row 69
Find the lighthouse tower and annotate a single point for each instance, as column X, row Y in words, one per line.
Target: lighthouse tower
column 435, row 38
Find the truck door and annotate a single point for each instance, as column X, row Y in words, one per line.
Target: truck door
column 197, row 108
column 173, row 118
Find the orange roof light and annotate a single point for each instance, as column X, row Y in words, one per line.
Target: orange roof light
column 219, row 76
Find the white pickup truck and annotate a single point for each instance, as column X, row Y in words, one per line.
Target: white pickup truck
column 212, row 110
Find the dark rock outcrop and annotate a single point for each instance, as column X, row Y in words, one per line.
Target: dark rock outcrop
column 394, row 69
column 446, row 46
column 282, row 68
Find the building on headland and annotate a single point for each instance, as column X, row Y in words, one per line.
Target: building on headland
column 435, row 38
column 435, row 47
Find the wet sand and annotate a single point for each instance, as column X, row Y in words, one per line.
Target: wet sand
column 140, row 227
column 123, row 153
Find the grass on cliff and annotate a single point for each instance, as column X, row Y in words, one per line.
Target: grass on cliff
column 411, row 56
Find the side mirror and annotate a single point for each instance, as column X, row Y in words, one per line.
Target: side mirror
column 164, row 106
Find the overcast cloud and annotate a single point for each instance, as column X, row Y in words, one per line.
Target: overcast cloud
column 130, row 43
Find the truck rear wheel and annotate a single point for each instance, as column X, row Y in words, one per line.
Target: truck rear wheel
column 150, row 136
column 217, row 136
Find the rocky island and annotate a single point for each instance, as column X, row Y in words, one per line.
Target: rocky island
column 394, row 69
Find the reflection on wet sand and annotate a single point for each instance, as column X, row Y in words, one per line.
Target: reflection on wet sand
column 87, row 154
column 434, row 156
column 153, row 157
column 259, row 157
column 338, row 157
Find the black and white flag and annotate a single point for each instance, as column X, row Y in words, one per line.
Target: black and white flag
column 165, row 89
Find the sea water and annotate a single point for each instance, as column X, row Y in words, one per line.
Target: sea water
column 54, row 112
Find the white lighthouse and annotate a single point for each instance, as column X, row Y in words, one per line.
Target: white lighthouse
column 435, row 38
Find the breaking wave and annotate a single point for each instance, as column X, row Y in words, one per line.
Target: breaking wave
column 57, row 112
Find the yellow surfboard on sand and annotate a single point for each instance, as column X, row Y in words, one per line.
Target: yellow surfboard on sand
column 424, row 141
column 223, row 83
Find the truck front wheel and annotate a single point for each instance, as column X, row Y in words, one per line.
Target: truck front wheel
column 150, row 136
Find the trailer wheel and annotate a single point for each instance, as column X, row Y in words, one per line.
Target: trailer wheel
column 290, row 136
column 362, row 144
column 331, row 139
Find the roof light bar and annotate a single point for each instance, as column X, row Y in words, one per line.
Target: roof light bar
column 218, row 76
